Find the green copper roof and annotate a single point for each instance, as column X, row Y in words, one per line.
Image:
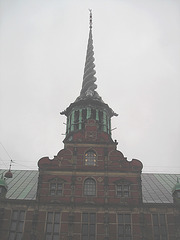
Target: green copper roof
column 156, row 188
column 176, row 186
column 23, row 184
column 3, row 182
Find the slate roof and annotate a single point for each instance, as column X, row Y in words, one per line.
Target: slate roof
column 156, row 187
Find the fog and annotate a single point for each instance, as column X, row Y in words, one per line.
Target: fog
column 137, row 57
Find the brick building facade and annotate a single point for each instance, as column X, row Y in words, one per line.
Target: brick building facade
column 89, row 191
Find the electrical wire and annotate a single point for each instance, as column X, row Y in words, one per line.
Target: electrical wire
column 23, row 165
column 3, row 162
column 11, row 161
column 6, row 151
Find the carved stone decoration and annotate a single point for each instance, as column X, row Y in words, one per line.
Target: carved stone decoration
column 57, row 179
column 100, row 179
column 60, row 161
column 91, row 135
column 91, row 130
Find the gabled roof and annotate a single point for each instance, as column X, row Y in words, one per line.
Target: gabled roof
column 156, row 187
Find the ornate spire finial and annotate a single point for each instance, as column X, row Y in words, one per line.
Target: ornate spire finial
column 88, row 85
column 90, row 18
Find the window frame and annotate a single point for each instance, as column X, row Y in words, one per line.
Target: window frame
column 17, row 224
column 160, row 227
column 56, row 187
column 123, row 225
column 89, row 224
column 89, row 189
column 90, row 160
column 52, row 223
column 125, row 190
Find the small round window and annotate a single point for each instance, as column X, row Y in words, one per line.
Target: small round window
column 90, row 158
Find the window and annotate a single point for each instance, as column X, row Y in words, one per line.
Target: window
column 124, row 227
column 123, row 190
column 90, row 158
column 100, row 120
column 17, row 225
column 76, row 120
column 53, row 226
column 89, row 187
column 56, row 189
column 88, row 226
column 159, row 227
column 84, row 117
column 93, row 113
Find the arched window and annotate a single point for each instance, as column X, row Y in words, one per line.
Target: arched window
column 90, row 158
column 89, row 187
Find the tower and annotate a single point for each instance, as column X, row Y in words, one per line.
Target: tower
column 90, row 184
column 89, row 108
column 89, row 191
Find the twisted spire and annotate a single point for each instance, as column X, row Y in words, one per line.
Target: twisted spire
column 89, row 79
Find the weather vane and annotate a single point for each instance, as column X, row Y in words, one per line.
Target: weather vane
column 90, row 21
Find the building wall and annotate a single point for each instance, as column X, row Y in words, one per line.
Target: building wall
column 110, row 207
column 71, row 220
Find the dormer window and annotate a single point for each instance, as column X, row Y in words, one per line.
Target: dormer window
column 90, row 158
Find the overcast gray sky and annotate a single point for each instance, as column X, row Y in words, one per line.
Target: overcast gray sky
column 137, row 56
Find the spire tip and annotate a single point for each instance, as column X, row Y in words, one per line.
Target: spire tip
column 90, row 18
